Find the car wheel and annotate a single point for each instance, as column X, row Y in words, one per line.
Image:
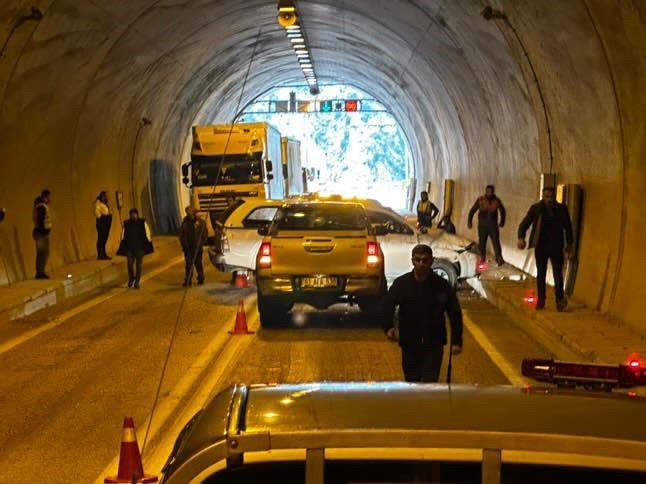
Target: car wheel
column 273, row 311
column 446, row 270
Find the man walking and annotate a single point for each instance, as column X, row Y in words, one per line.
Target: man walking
column 42, row 229
column 426, row 212
column 192, row 236
column 103, row 224
column 423, row 299
column 136, row 242
column 488, row 207
column 552, row 239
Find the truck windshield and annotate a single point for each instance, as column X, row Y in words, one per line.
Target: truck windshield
column 234, row 170
column 321, row 217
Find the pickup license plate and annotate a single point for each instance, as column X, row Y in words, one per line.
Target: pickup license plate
column 319, row 282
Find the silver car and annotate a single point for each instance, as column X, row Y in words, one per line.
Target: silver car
column 399, row 432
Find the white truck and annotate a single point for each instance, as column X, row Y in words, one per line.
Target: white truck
column 292, row 171
column 229, row 162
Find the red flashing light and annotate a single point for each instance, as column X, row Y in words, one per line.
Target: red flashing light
column 634, row 364
column 482, row 266
column 586, row 374
column 264, row 255
column 351, row 106
column 530, row 298
column 372, row 250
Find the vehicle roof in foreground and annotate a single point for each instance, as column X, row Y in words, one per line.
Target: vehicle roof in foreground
column 400, row 415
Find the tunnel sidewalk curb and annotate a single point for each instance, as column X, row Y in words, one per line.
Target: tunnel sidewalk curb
column 579, row 334
column 26, row 297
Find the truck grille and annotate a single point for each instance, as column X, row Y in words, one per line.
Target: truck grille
column 212, row 203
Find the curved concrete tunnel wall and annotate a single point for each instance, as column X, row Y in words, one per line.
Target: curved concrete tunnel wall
column 75, row 86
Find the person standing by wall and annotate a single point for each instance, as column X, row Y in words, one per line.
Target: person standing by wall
column 552, row 239
column 136, row 241
column 103, row 224
column 192, row 236
column 42, row 231
column 423, row 299
column 426, row 212
column 488, row 207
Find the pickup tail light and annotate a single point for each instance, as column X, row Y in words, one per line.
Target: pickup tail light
column 482, row 266
column 264, row 255
column 372, row 254
column 585, row 374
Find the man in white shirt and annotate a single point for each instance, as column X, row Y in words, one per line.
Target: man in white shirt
column 103, row 224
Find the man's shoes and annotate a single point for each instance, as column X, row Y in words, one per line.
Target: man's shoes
column 561, row 305
column 42, row 275
column 500, row 262
column 131, row 282
column 136, row 285
column 104, row 257
column 187, row 283
column 200, row 282
column 540, row 305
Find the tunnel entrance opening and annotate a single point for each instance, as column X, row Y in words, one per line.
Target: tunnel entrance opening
column 350, row 143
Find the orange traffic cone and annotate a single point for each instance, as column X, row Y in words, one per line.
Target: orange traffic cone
column 241, row 280
column 241, row 321
column 130, row 467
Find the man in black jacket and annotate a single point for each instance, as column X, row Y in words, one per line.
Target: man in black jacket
column 488, row 206
column 192, row 236
column 41, row 232
column 136, row 241
column 552, row 239
column 423, row 299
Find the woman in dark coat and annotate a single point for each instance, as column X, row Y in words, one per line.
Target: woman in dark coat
column 136, row 242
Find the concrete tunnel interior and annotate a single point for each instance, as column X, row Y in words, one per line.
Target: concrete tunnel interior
column 481, row 101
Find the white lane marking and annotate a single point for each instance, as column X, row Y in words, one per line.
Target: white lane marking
column 496, row 356
column 32, row 333
column 224, row 348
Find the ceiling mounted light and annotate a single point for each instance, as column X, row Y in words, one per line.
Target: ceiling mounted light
column 289, row 19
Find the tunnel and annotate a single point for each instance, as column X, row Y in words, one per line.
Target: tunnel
column 102, row 95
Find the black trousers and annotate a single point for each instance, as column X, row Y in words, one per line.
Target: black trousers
column 489, row 230
column 103, row 225
column 135, row 259
column 422, row 364
column 42, row 253
column 188, row 264
column 555, row 255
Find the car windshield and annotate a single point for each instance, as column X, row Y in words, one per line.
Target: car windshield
column 321, row 217
column 234, row 170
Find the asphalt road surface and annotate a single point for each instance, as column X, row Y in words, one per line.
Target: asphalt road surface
column 64, row 392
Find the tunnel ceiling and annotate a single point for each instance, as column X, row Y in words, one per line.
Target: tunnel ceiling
column 480, row 101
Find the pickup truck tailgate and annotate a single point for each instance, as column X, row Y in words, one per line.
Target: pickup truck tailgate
column 312, row 252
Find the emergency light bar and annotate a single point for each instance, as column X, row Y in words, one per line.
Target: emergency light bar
column 585, row 374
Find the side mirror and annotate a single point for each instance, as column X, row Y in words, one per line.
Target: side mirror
column 270, row 166
column 264, row 230
column 270, row 176
column 185, row 170
column 381, row 230
column 185, row 180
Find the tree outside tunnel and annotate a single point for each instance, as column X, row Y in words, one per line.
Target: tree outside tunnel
column 362, row 152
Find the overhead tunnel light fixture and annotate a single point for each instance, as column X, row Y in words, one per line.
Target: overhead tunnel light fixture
column 288, row 18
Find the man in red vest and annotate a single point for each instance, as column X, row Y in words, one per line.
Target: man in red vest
column 488, row 207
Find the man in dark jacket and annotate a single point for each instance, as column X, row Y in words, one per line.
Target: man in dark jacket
column 41, row 232
column 488, row 207
column 423, row 299
column 136, row 241
column 552, row 239
column 192, row 236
